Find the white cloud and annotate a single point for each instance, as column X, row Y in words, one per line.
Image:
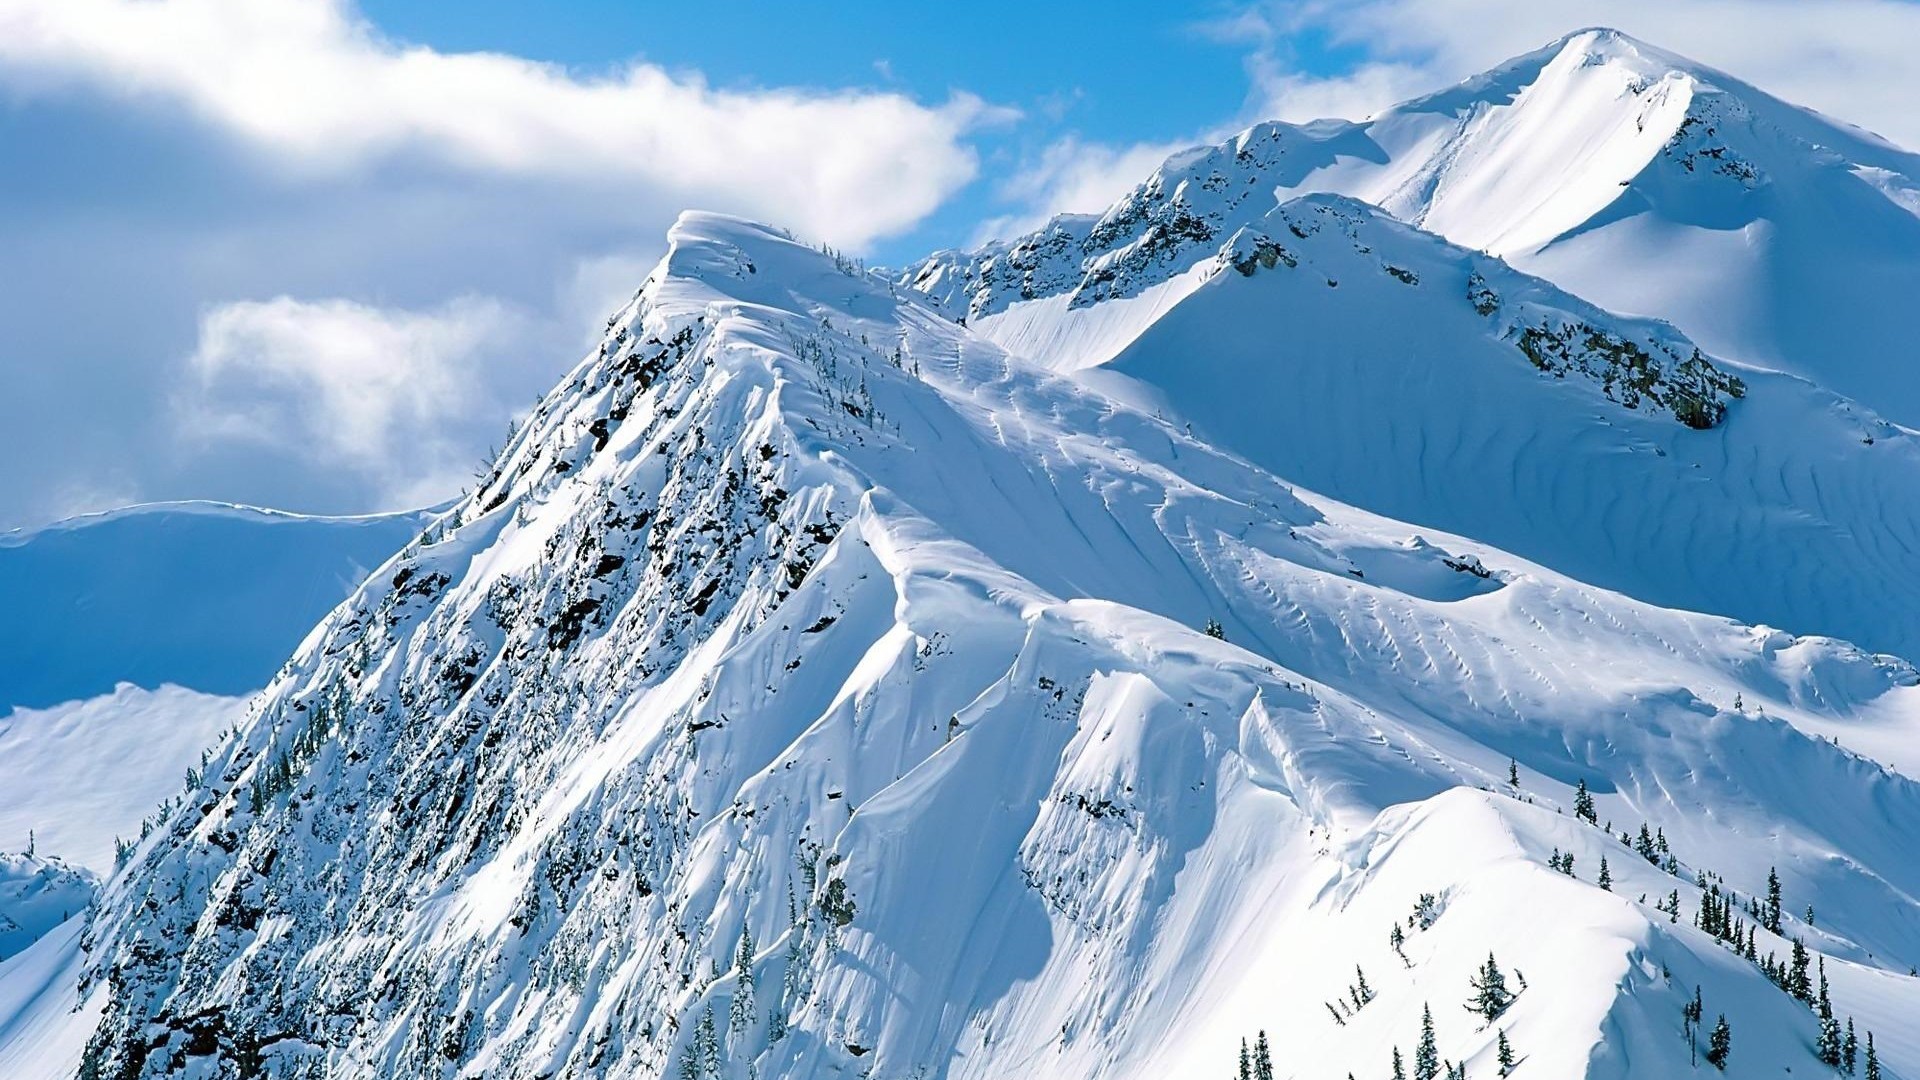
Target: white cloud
column 311, row 83
column 1288, row 95
column 391, row 395
column 1070, row 176
column 1852, row 59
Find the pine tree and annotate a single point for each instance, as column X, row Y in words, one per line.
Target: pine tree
column 1505, row 1051
column 1513, row 773
column 1690, row 1015
column 1262, row 1059
column 1426, row 1056
column 1850, row 1049
column 1490, row 994
column 1828, row 1047
column 1583, row 804
column 1720, row 1043
column 1873, row 1060
column 1606, row 875
column 1246, row 1062
column 1362, row 993
column 1798, row 982
column 740, row 1015
column 709, row 1040
column 1773, row 900
column 1400, row 1069
column 1645, row 845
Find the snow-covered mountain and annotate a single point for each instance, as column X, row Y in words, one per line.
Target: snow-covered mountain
column 36, row 895
column 209, row 596
column 945, row 678
column 129, row 644
column 817, row 689
column 132, row 640
column 1378, row 364
column 1639, row 180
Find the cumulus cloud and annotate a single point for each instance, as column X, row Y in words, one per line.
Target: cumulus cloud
column 172, row 157
column 390, row 394
column 309, row 82
column 1072, row 175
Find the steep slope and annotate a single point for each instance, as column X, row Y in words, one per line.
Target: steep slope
column 1654, row 185
column 208, row 596
column 43, row 1024
column 1638, row 179
column 1375, row 363
column 814, row 690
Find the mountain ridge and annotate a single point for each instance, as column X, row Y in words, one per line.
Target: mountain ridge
column 670, row 722
column 1229, row 623
column 1589, row 162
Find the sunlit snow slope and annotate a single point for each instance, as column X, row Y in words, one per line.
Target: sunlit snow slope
column 1392, row 371
column 1382, row 366
column 1637, row 179
column 814, row 689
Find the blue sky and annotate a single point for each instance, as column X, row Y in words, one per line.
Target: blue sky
column 1119, row 72
column 315, row 254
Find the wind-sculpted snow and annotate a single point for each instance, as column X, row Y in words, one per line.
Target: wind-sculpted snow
column 814, row 689
column 1392, row 371
column 1374, row 362
column 1632, row 177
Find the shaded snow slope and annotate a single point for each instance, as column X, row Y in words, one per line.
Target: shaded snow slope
column 814, row 689
column 1637, row 179
column 204, row 595
column 37, row 894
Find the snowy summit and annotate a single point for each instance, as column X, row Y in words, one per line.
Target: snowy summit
column 1424, row 597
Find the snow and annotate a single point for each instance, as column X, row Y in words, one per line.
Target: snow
column 210, row 596
column 81, row 774
column 36, row 895
column 1783, row 514
column 795, row 588
column 820, row 685
column 44, row 1024
column 1636, row 179
column 1795, row 512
